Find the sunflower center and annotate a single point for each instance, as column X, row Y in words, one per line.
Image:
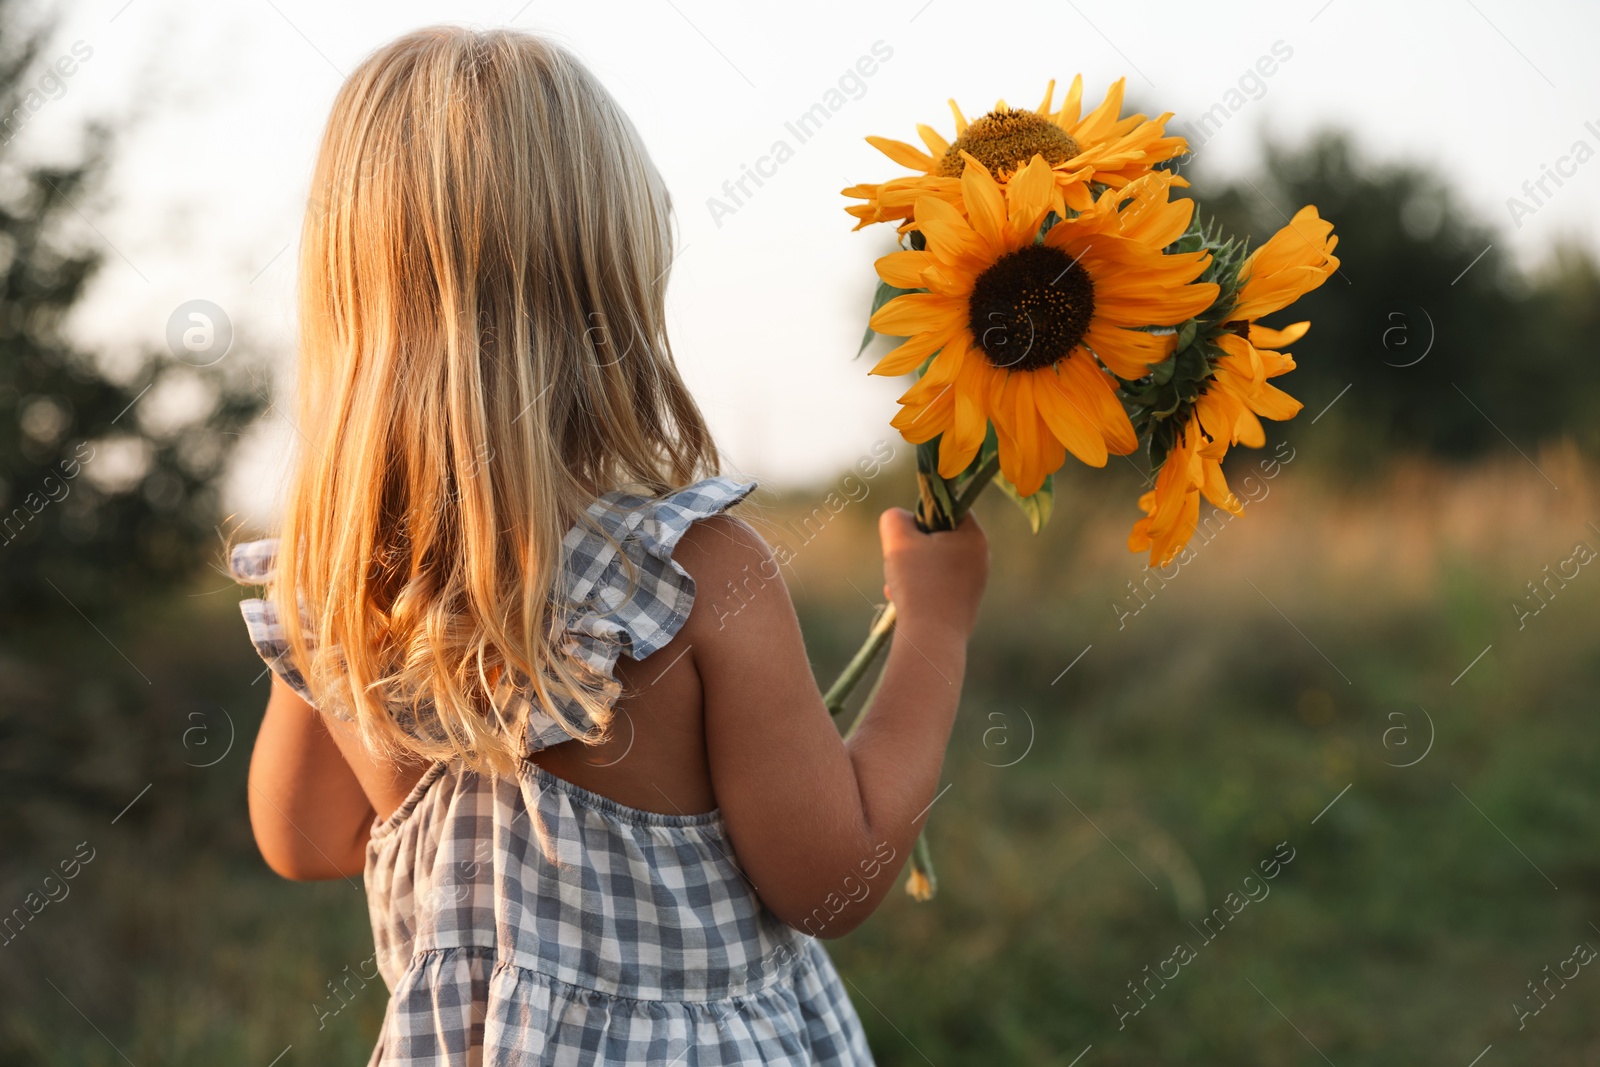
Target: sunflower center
column 1003, row 141
column 1030, row 308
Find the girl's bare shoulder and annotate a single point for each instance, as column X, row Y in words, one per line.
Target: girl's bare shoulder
column 736, row 573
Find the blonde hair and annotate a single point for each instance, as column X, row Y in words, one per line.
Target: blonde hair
column 483, row 350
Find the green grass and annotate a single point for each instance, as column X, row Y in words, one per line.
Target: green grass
column 1190, row 743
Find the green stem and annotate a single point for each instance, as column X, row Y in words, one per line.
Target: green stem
column 861, row 715
column 853, row 672
column 975, row 485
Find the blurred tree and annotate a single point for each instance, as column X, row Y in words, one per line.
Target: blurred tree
column 1444, row 343
column 96, row 499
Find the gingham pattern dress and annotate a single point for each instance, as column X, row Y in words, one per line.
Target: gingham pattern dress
column 524, row 920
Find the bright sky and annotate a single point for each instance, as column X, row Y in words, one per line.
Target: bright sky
column 219, row 107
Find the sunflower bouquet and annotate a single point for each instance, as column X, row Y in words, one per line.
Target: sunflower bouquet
column 1053, row 297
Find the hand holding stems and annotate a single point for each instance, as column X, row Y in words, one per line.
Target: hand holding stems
column 943, row 506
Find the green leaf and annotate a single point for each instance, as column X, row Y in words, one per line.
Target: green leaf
column 1194, row 363
column 1172, row 408
column 1186, row 335
column 1036, row 507
column 882, row 296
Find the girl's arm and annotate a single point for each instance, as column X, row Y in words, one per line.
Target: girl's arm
column 314, row 790
column 820, row 827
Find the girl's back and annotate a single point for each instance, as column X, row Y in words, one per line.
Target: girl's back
column 598, row 820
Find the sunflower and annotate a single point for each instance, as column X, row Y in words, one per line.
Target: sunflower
column 1018, row 322
column 1100, row 147
column 1296, row 260
column 1228, row 412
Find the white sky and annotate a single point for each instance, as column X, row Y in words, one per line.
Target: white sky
column 220, row 106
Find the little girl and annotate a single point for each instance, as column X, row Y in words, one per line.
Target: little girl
column 599, row 821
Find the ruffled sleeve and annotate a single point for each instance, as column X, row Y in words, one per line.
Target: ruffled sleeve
column 621, row 591
column 253, row 563
column 624, row 594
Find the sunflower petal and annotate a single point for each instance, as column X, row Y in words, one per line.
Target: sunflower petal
column 916, row 313
column 1072, row 106
column 1248, row 430
column 1099, row 122
column 946, row 366
column 1270, row 402
column 1068, row 415
column 951, row 237
column 1263, row 337
column 1127, row 353
column 1049, row 95
column 961, row 120
column 1215, row 487
column 904, row 269
column 937, row 145
column 919, row 422
column 962, row 441
column 986, row 207
column 1030, row 458
column 908, row 356
column 903, row 154
column 1029, row 196
column 1092, row 388
column 1217, row 413
column 1242, row 358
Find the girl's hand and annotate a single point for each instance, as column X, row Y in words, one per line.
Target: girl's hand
column 935, row 580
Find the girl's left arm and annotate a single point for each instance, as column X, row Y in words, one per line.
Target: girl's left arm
column 314, row 791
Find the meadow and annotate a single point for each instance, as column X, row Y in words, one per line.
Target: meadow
column 1324, row 793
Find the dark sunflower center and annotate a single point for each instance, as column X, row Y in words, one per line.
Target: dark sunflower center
column 1030, row 308
column 1003, row 141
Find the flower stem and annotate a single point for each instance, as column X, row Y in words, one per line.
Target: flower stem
column 856, row 669
column 975, row 485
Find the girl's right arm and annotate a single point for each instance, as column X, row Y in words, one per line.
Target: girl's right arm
column 822, row 828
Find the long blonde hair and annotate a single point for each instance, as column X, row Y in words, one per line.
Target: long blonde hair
column 483, row 349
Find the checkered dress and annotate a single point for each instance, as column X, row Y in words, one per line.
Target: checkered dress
column 524, row 920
